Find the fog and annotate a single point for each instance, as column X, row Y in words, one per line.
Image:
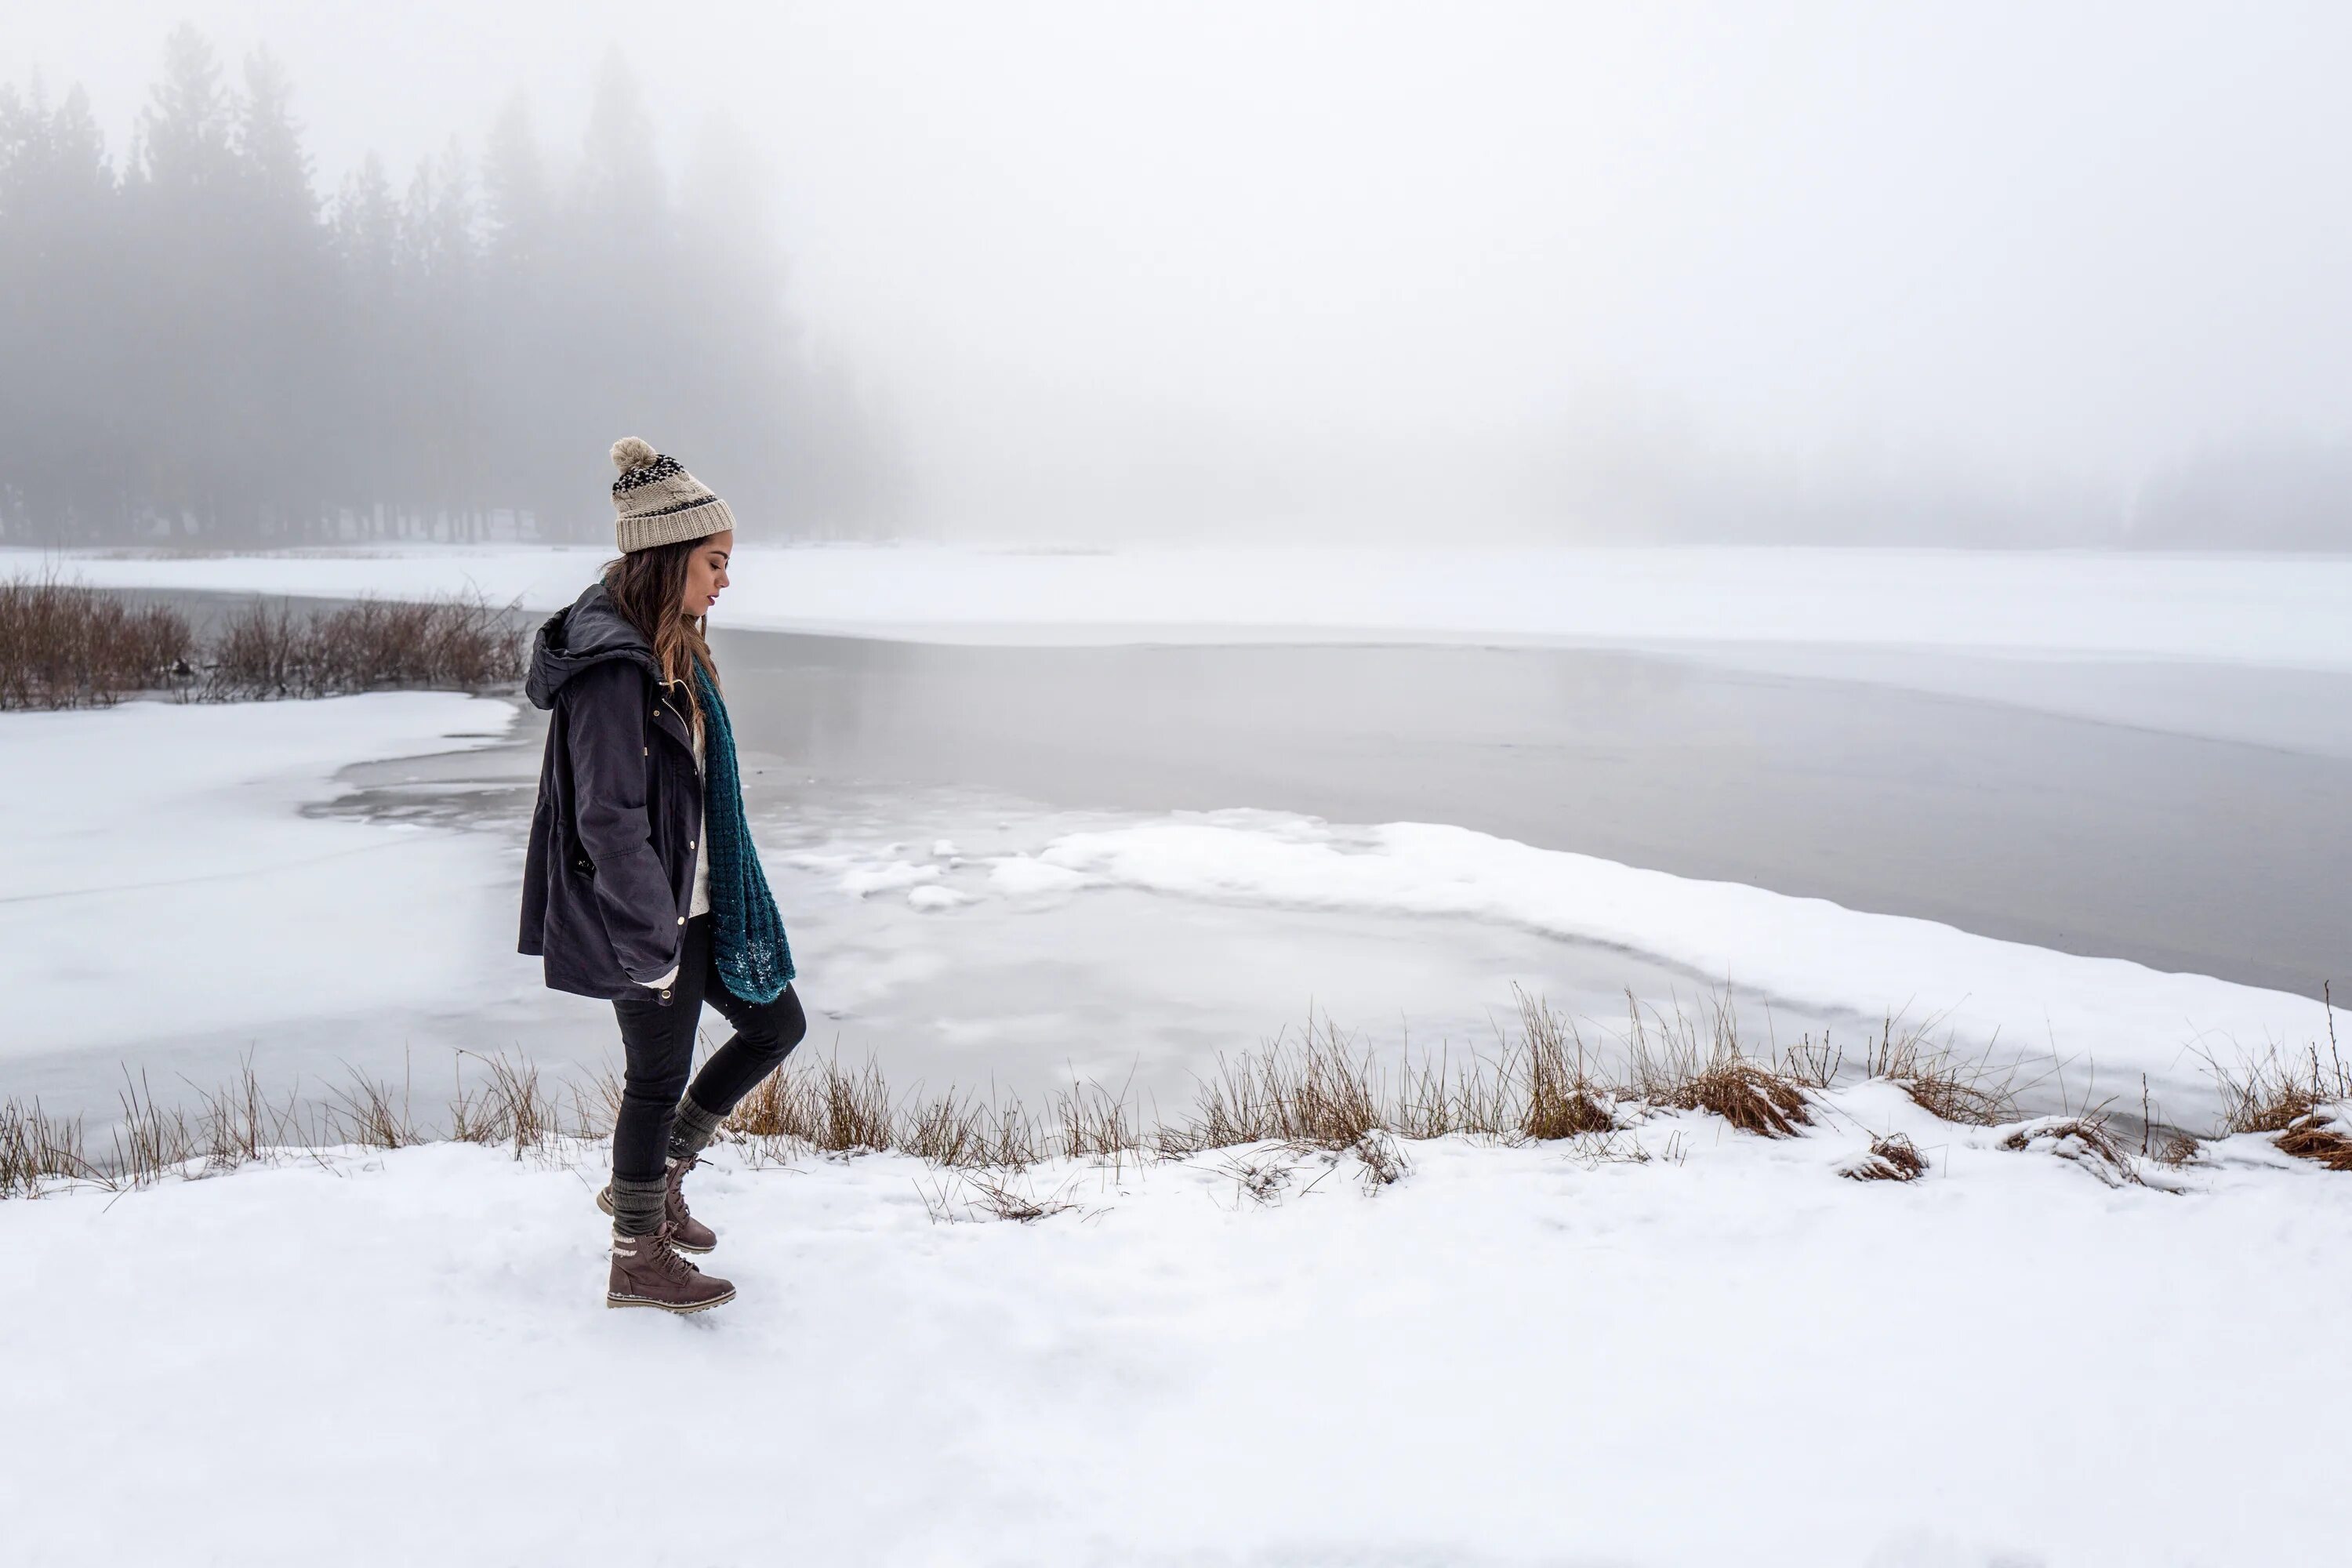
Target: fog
column 1972, row 273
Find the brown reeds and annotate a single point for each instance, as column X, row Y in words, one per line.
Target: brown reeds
column 1314, row 1095
column 1683, row 1062
column 1970, row 1092
column 374, row 644
column 64, row 646
column 2295, row 1095
column 511, row 1108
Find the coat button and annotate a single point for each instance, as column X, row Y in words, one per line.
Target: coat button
column 649, row 751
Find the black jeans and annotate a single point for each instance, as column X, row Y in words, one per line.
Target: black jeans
column 657, row 1043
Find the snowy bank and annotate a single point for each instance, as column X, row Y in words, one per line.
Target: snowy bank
column 162, row 879
column 2254, row 610
column 1726, row 1354
column 2108, row 1019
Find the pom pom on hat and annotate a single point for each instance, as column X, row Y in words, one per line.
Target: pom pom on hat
column 630, row 453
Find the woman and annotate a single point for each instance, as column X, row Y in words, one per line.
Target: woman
column 641, row 883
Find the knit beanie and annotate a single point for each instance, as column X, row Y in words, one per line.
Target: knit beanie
column 657, row 501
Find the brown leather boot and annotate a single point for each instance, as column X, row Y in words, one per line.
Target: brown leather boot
column 689, row 1234
column 648, row 1272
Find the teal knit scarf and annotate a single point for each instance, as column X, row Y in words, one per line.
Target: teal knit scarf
column 754, row 959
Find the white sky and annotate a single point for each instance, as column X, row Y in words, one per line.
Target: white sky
column 1229, row 252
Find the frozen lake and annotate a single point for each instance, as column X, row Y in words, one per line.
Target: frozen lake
column 2190, row 817
column 2183, row 815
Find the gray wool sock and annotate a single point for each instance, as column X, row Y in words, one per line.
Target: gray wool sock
column 637, row 1207
column 691, row 1134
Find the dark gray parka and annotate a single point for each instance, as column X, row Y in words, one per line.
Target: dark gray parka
column 610, row 872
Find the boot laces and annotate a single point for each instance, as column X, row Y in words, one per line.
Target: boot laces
column 676, row 1180
column 668, row 1258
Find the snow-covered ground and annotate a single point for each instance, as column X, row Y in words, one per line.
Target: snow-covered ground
column 2262, row 610
column 1724, row 1356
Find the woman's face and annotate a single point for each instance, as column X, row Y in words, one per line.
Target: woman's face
column 706, row 572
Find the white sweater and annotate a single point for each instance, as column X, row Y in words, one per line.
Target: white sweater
column 701, row 901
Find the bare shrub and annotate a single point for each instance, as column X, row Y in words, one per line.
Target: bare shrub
column 1893, row 1158
column 63, row 645
column 373, row 644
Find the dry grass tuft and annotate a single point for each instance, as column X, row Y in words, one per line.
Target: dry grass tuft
column 1092, row 1123
column 962, row 1131
column 1893, row 1158
column 512, row 1107
column 2315, row 1137
column 2083, row 1140
column 1751, row 1098
column 36, row 1148
column 1970, row 1093
column 1670, row 1062
column 1563, row 1099
column 1382, row 1163
column 235, row 1124
column 2294, row 1097
column 1318, row 1090
column 980, row 1193
column 2287, row 1094
column 818, row 1103
column 62, row 645
column 369, row 1113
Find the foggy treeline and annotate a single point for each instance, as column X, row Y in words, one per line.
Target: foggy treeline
column 201, row 347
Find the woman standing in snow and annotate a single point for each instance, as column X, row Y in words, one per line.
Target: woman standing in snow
column 641, row 884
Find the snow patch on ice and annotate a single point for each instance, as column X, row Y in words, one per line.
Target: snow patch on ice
column 1022, row 876
column 2121, row 1017
column 886, row 878
column 930, row 897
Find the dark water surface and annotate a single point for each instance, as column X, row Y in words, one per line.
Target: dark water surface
column 2190, row 819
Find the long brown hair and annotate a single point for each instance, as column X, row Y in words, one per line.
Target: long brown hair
column 648, row 587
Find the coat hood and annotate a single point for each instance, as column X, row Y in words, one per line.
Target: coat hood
column 590, row 632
